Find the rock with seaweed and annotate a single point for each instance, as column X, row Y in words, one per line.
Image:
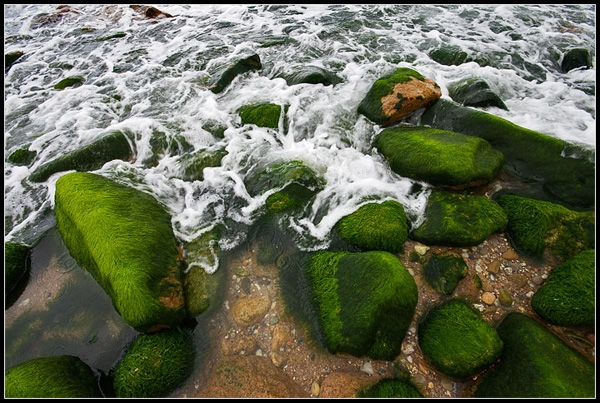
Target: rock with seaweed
column 535, row 363
column 439, row 157
column 366, row 301
column 457, row 341
column 61, row 376
column 124, row 238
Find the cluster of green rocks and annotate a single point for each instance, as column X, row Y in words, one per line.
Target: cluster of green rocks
column 363, row 297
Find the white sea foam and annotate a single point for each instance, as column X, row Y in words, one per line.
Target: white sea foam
column 152, row 79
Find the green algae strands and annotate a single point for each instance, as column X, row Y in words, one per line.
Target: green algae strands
column 124, row 238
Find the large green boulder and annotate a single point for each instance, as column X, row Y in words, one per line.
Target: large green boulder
column 375, row 226
column 124, row 238
column 563, row 171
column 93, row 156
column 568, row 296
column 154, row 365
column 390, row 388
column 449, row 55
column 439, row 157
column 535, row 363
column 365, row 301
column 226, row 73
column 457, row 341
column 398, row 95
column 454, row 219
column 62, row 376
column 538, row 227
column 294, row 181
column 474, row 91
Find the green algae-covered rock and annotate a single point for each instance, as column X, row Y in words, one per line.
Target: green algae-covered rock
column 454, row 219
column 474, row 91
column 575, row 58
column 568, row 296
column 537, row 227
column 392, row 388
column 457, row 341
column 376, row 226
column 263, row 115
column 62, row 376
column 296, row 183
column 398, row 95
column 439, row 157
column 565, row 171
column 17, row 262
column 535, row 363
column 88, row 158
column 22, row 156
column 311, row 75
column 224, row 75
column 193, row 164
column 449, row 55
column 10, row 58
column 366, row 301
column 443, row 271
column 74, row 81
column 154, row 365
column 124, row 238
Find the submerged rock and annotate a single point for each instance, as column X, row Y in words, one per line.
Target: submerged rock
column 224, row 75
column 473, row 91
column 390, row 388
column 124, row 238
column 366, row 302
column 535, row 363
column 567, row 297
column 457, row 341
column 61, row 376
column 112, row 146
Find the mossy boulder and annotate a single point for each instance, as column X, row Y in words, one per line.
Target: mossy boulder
column 535, row 363
column 365, row 300
column 562, row 171
column 192, row 164
column 73, row 81
column 61, row 376
column 390, row 388
column 263, row 115
column 439, row 157
column 311, row 75
column 375, row 226
column 124, row 238
column 538, row 227
column 568, row 296
column 295, row 184
column 22, row 156
column 443, row 271
column 112, row 146
column 11, row 58
column 457, row 341
column 576, row 58
column 398, row 95
column 474, row 91
column 449, row 55
column 225, row 74
column 17, row 263
column 154, row 365
column 454, row 219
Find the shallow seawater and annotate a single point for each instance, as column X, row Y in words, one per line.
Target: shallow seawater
column 150, row 77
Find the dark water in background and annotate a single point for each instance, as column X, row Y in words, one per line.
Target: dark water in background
column 150, row 79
